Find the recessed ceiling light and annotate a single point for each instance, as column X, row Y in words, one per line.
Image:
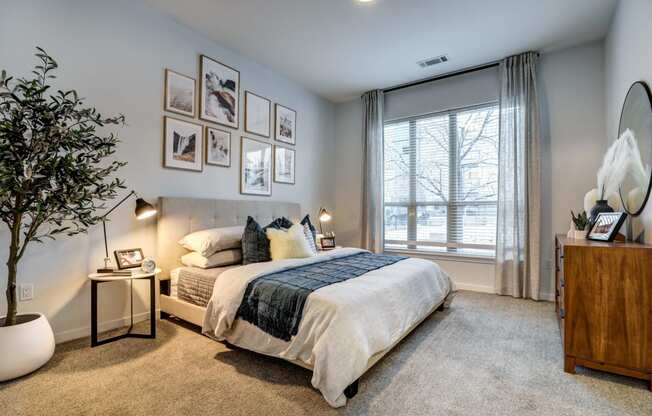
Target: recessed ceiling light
column 365, row 1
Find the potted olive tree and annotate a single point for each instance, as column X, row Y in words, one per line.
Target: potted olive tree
column 53, row 178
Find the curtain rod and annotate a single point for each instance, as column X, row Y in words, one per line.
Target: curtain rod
column 442, row 76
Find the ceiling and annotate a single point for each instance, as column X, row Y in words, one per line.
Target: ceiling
column 341, row 48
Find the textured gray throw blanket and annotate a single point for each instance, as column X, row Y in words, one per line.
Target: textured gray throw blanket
column 274, row 302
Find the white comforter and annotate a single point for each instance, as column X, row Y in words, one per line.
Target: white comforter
column 343, row 324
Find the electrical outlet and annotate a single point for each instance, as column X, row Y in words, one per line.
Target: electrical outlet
column 26, row 292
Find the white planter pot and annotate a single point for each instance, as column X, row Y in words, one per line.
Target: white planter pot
column 26, row 346
column 579, row 235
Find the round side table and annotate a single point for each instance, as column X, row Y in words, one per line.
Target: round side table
column 97, row 278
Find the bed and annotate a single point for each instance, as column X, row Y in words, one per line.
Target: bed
column 346, row 327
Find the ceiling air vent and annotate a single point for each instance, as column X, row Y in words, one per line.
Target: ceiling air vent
column 433, row 61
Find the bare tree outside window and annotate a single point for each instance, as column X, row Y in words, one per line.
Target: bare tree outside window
column 441, row 174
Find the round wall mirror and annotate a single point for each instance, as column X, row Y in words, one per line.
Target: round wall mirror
column 637, row 117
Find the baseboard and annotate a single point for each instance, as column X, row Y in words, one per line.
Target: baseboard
column 85, row 331
column 474, row 288
column 550, row 297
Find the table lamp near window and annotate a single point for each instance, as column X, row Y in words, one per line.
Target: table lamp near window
column 327, row 240
column 143, row 210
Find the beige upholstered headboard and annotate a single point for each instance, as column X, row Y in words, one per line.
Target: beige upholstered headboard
column 178, row 217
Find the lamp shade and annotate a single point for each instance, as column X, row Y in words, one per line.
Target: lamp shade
column 324, row 215
column 144, row 209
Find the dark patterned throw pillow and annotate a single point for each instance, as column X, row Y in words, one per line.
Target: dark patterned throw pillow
column 255, row 245
column 313, row 230
column 280, row 223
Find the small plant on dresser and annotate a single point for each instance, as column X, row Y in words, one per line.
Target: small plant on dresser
column 53, row 177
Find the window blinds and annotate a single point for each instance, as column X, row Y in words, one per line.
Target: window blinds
column 440, row 181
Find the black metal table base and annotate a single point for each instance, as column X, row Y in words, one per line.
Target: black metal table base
column 152, row 321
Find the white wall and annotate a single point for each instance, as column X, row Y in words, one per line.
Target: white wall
column 628, row 59
column 573, row 128
column 572, row 95
column 114, row 53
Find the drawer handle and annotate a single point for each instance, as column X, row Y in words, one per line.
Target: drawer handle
column 562, row 313
column 562, row 282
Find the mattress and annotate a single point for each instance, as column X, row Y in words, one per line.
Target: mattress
column 195, row 285
column 370, row 313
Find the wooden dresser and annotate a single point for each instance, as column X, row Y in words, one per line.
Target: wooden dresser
column 604, row 306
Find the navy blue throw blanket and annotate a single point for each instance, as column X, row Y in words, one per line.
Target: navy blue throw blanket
column 274, row 302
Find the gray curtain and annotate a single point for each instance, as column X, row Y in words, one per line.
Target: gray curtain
column 372, row 192
column 519, row 180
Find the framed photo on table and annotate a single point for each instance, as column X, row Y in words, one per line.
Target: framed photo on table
column 257, row 114
column 606, row 226
column 180, row 93
column 255, row 167
column 129, row 258
column 183, row 145
column 286, row 124
column 220, row 93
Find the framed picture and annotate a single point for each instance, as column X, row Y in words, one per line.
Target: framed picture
column 255, row 167
column 606, row 226
column 284, row 164
column 286, row 124
column 129, row 258
column 220, row 93
column 218, row 147
column 257, row 114
column 180, row 93
column 183, row 145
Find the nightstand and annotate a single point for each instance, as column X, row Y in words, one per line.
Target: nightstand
column 97, row 278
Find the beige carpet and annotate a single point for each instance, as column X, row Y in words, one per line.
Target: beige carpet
column 486, row 355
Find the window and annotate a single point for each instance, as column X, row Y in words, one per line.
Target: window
column 441, row 174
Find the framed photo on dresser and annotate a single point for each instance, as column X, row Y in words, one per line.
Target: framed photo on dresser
column 255, row 167
column 220, row 93
column 286, row 124
column 183, row 145
column 606, row 226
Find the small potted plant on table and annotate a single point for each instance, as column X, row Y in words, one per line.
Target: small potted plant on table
column 580, row 224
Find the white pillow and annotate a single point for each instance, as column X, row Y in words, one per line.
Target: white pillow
column 207, row 242
column 288, row 244
column 221, row 258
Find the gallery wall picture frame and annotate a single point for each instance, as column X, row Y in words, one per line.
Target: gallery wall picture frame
column 219, row 98
column 285, row 126
column 180, row 93
column 183, row 144
column 285, row 165
column 218, row 147
column 258, row 112
column 255, row 167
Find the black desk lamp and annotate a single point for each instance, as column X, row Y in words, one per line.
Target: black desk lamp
column 143, row 210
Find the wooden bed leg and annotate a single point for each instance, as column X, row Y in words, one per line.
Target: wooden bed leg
column 352, row 390
column 165, row 315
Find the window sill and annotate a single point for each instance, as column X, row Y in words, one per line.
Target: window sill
column 462, row 258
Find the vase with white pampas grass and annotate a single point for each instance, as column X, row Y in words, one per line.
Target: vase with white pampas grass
column 622, row 157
